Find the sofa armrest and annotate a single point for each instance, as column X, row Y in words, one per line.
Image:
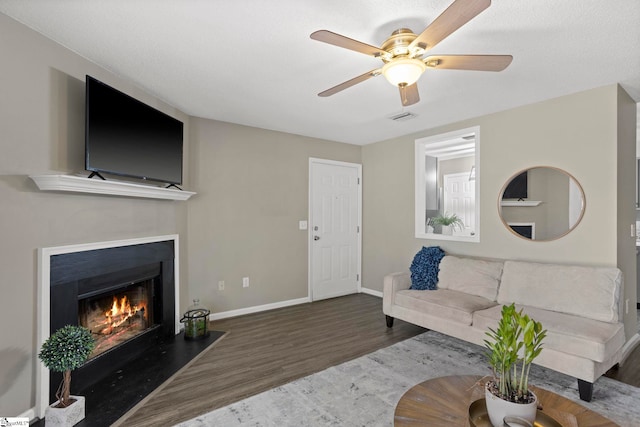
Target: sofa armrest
column 621, row 299
column 393, row 283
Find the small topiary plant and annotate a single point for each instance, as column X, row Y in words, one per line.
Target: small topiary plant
column 67, row 349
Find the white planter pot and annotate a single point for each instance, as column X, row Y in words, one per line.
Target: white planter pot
column 498, row 408
column 447, row 230
column 65, row 417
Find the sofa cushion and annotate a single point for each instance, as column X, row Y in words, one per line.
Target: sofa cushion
column 424, row 268
column 589, row 292
column 471, row 276
column 443, row 303
column 566, row 333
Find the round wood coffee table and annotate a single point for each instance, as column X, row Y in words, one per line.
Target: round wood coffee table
column 445, row 401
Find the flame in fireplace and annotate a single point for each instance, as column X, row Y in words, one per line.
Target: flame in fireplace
column 120, row 312
column 115, row 318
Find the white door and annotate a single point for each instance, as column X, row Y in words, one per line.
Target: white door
column 460, row 199
column 334, row 228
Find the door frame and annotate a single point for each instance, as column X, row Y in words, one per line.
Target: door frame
column 358, row 167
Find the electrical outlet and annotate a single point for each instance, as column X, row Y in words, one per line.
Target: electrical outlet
column 245, row 282
column 221, row 285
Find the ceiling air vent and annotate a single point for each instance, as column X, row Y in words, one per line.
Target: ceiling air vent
column 402, row 117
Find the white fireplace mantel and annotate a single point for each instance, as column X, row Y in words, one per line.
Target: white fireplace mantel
column 521, row 203
column 81, row 184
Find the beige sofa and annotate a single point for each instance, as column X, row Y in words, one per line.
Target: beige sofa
column 579, row 306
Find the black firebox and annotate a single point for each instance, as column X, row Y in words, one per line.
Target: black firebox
column 124, row 295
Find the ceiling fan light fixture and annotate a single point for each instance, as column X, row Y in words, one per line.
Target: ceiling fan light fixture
column 403, row 71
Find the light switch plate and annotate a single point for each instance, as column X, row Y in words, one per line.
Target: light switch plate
column 302, row 225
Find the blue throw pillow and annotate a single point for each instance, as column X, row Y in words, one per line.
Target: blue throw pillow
column 424, row 268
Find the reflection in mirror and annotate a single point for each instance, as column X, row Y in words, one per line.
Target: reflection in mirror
column 447, row 182
column 541, row 203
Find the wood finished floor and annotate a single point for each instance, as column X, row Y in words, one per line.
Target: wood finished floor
column 265, row 350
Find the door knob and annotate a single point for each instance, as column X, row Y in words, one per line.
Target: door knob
column 316, row 237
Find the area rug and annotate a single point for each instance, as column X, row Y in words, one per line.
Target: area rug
column 365, row 391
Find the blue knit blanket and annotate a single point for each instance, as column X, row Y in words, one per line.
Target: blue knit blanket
column 425, row 267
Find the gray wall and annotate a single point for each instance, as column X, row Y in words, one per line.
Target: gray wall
column 459, row 165
column 580, row 133
column 42, row 123
column 252, row 189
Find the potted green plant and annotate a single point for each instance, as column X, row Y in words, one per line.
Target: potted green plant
column 65, row 350
column 512, row 347
column 449, row 222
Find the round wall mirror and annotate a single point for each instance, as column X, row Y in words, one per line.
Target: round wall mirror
column 541, row 203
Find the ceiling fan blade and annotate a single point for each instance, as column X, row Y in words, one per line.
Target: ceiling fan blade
column 354, row 81
column 469, row 62
column 347, row 43
column 455, row 16
column 409, row 95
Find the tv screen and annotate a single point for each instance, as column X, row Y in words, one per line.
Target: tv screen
column 126, row 137
column 517, row 188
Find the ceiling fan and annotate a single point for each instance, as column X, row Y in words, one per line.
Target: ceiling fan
column 402, row 53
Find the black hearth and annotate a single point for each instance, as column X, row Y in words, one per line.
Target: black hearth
column 124, row 295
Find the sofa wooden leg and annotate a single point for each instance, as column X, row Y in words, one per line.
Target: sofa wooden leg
column 389, row 321
column 586, row 390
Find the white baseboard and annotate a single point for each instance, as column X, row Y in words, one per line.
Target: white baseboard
column 371, row 292
column 629, row 346
column 29, row 413
column 257, row 308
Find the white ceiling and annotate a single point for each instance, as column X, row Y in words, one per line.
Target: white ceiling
column 252, row 62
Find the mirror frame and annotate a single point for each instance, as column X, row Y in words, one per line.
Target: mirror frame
column 420, row 185
column 578, row 185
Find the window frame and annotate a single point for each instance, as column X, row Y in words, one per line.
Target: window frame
column 420, row 184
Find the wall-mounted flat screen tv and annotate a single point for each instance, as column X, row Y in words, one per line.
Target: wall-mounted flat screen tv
column 517, row 188
column 127, row 137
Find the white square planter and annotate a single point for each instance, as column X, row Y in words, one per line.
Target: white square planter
column 65, row 417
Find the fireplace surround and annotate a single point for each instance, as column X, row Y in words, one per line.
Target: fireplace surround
column 80, row 283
